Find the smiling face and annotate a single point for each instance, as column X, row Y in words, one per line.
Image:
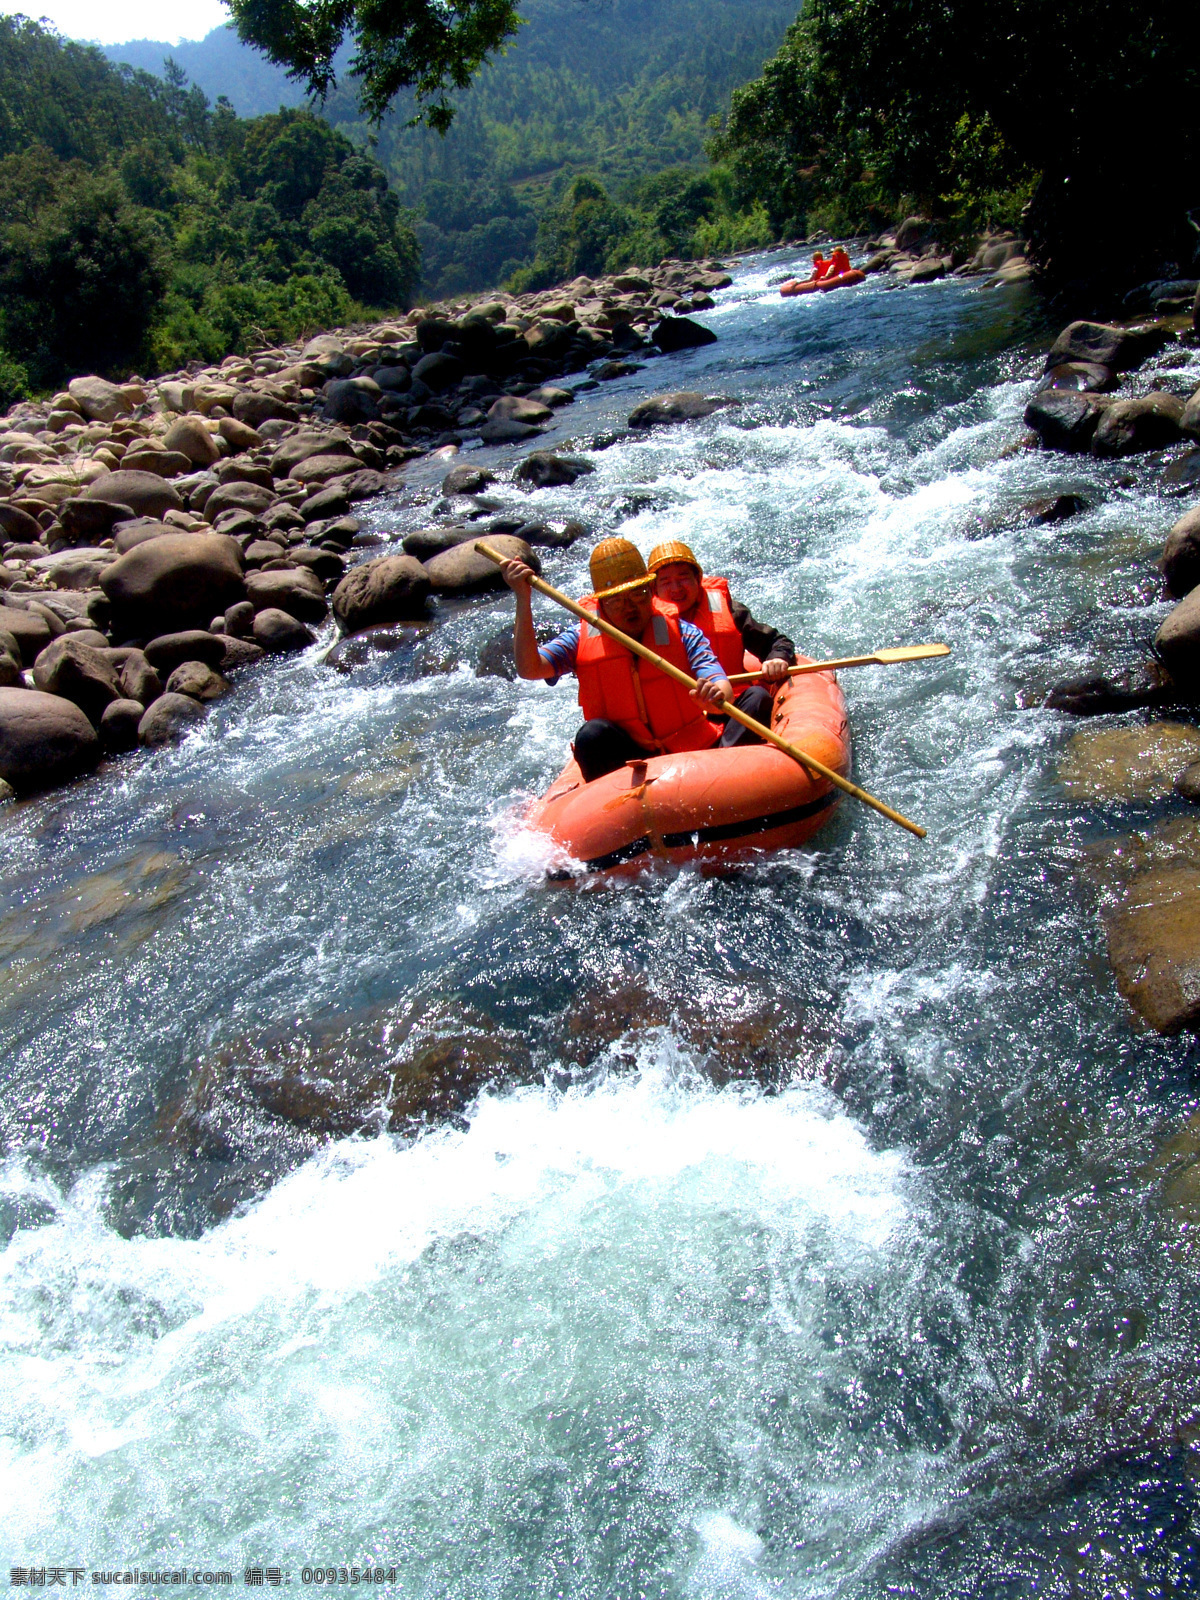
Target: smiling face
column 630, row 611
column 678, row 583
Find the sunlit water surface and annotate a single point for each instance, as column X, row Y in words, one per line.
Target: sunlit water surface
column 905, row 1318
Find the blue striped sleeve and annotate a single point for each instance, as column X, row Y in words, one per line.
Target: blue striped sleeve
column 560, row 652
column 699, row 653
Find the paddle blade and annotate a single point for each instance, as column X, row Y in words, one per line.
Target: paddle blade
column 911, row 652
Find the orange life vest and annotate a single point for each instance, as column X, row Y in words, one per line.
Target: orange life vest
column 714, row 618
column 622, row 688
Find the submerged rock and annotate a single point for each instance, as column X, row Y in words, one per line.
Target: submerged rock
column 1154, row 947
column 683, row 406
column 1128, row 763
column 396, row 1069
column 543, row 469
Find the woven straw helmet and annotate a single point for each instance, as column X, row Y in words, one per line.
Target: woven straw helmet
column 673, row 550
column 615, row 566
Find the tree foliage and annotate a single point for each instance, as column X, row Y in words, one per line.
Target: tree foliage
column 427, row 46
column 150, row 227
column 617, row 89
column 964, row 109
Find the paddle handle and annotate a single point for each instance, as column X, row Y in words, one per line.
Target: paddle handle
column 639, row 649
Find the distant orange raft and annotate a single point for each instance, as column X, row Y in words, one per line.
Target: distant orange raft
column 718, row 807
column 840, row 280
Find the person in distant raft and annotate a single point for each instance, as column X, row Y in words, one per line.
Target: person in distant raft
column 839, row 262
column 632, row 710
column 731, row 631
column 821, row 268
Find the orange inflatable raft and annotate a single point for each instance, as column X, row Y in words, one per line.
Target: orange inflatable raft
column 713, row 806
column 839, row 280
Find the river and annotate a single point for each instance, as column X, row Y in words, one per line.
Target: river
column 812, row 1251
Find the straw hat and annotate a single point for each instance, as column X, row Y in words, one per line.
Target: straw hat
column 673, row 550
column 616, row 566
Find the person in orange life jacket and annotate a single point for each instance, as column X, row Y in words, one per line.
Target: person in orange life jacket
column 679, row 582
column 839, row 262
column 821, row 267
column 631, row 708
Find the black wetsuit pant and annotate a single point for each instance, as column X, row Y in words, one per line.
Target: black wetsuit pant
column 602, row 747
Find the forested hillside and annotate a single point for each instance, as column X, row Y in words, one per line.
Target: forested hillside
column 1074, row 121
column 139, row 226
column 620, row 90
column 221, row 65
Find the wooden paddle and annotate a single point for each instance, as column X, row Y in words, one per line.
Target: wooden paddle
column 810, row 763
column 881, row 658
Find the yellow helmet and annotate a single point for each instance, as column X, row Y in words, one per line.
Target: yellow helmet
column 617, row 565
column 673, row 550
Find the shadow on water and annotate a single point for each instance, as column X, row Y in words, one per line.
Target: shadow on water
column 782, row 1233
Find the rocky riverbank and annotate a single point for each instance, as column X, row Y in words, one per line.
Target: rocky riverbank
column 156, row 537
column 1117, row 391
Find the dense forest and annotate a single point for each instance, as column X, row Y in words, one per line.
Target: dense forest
column 1074, row 122
column 141, row 226
column 619, row 93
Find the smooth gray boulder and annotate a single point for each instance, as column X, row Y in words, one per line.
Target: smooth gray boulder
column 119, row 725
column 169, row 719
column 171, row 583
column 44, row 740
column 276, row 632
column 1107, row 345
column 99, row 400
column 391, row 589
column 683, row 406
column 1149, row 422
column 145, row 493
column 1180, row 560
column 463, row 570
column 80, row 673
column 295, row 590
column 200, row 682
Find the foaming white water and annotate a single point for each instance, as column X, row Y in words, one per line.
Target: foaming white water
column 393, row 1335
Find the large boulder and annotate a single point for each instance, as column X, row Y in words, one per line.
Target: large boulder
column 463, row 570
column 438, row 371
column 277, row 632
column 684, row 406
column 295, row 590
column 18, row 525
column 85, row 521
column 139, row 681
column 99, row 400
column 543, row 469
column 169, row 719
column 78, row 672
column 254, row 409
column 163, row 463
column 323, row 468
column 1087, row 376
column 119, row 725
column 1154, row 946
column 681, row 333
column 145, row 493
column 1063, row 419
column 1149, row 422
column 504, row 430
column 1138, row 763
column 191, row 438
column 467, row 480
column 1189, row 422
column 171, row 650
column 344, row 400
column 44, row 740
column 515, row 408
column 251, row 497
column 1178, row 640
column 1180, row 560
column 29, row 629
column 181, row 581
column 1107, row 345
column 135, row 532
column 201, row 683
column 308, row 442
column 391, row 589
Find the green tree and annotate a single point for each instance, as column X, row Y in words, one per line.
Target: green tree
column 427, row 46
